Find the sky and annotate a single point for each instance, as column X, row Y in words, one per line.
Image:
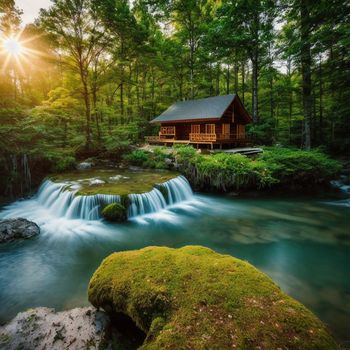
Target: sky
column 31, row 8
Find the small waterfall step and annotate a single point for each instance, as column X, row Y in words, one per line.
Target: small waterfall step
column 64, row 202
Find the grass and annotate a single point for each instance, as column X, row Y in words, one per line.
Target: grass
column 126, row 182
column 195, row 298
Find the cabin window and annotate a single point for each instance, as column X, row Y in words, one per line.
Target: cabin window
column 167, row 130
column 240, row 131
column 195, row 129
column 226, row 129
column 233, row 113
column 210, row 128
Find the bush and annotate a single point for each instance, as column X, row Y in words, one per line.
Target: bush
column 153, row 160
column 223, row 171
column 61, row 160
column 115, row 212
column 297, row 167
column 138, row 157
column 275, row 167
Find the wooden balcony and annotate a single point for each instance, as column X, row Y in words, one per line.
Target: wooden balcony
column 200, row 138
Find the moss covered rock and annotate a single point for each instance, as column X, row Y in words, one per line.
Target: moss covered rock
column 115, row 212
column 195, row 298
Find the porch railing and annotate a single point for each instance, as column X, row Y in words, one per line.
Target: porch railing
column 201, row 137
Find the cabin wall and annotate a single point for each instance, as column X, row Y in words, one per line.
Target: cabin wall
column 236, row 121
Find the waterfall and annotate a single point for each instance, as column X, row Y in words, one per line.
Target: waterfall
column 63, row 202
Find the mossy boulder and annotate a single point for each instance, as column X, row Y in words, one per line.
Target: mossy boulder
column 115, row 212
column 195, row 298
column 163, row 190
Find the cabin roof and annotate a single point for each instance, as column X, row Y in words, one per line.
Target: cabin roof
column 204, row 108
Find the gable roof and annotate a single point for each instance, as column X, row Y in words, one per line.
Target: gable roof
column 204, row 108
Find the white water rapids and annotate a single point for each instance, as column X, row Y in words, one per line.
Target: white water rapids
column 64, row 203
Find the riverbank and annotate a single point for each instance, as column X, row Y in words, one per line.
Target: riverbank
column 275, row 171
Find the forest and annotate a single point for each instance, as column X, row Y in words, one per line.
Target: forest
column 174, row 174
column 87, row 76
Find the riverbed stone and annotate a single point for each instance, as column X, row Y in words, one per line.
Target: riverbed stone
column 115, row 212
column 85, row 165
column 43, row 328
column 195, row 298
column 18, row 228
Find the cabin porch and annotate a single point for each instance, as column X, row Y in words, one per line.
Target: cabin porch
column 211, row 140
column 210, row 135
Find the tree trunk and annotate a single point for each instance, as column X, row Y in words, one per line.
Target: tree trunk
column 321, row 103
column 88, row 116
column 243, row 81
column 305, row 29
column 255, row 87
column 228, row 79
column 290, row 101
column 86, row 97
column 236, row 78
column 217, row 84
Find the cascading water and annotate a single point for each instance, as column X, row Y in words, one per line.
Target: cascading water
column 63, row 202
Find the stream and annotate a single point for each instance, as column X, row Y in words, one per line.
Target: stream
column 303, row 244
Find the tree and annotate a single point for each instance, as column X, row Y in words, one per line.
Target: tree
column 247, row 25
column 80, row 36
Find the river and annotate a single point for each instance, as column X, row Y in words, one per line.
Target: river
column 303, row 244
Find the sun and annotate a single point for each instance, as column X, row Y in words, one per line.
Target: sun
column 13, row 47
column 16, row 52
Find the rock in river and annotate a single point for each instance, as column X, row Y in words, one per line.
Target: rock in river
column 19, row 228
column 43, row 328
column 195, row 298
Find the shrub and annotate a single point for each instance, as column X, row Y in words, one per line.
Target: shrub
column 138, row 157
column 184, row 153
column 60, row 160
column 153, row 160
column 297, row 167
column 224, row 172
column 115, row 212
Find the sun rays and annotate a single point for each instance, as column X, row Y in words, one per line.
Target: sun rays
column 16, row 51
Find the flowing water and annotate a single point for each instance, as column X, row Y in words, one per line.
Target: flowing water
column 302, row 243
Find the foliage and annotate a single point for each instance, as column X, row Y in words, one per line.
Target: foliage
column 61, row 161
column 224, row 172
column 99, row 71
column 195, row 298
column 293, row 166
column 115, row 212
column 137, row 157
column 155, row 159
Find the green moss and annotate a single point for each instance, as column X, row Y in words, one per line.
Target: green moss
column 163, row 190
column 4, row 338
column 115, row 182
column 194, row 298
column 125, row 201
column 115, row 212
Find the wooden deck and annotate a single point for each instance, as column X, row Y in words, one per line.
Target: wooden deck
column 211, row 140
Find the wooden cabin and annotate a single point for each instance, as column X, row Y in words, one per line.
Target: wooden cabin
column 214, row 121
